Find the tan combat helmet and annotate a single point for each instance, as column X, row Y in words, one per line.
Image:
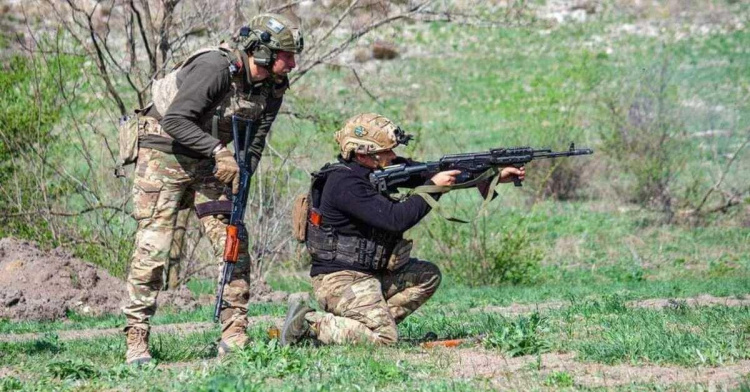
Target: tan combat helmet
column 369, row 133
column 272, row 31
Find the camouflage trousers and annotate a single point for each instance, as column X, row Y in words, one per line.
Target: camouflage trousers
column 362, row 307
column 162, row 181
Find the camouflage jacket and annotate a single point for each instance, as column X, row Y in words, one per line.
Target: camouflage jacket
column 208, row 88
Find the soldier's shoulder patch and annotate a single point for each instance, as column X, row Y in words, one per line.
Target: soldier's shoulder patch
column 360, row 131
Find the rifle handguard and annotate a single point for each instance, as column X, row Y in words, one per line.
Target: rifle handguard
column 232, row 245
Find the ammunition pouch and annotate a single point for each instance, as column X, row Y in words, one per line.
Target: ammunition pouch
column 325, row 245
column 217, row 207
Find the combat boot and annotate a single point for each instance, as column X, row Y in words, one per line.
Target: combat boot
column 295, row 326
column 137, row 341
column 233, row 337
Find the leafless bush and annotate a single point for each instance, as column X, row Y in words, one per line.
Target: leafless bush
column 642, row 134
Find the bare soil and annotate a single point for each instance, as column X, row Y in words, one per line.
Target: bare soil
column 179, row 329
column 261, row 292
column 654, row 303
column 41, row 285
column 701, row 300
column 528, row 371
column 522, row 309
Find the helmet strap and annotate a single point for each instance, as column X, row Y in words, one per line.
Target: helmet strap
column 246, row 63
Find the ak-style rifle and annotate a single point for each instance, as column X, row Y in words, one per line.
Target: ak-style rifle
column 236, row 231
column 471, row 165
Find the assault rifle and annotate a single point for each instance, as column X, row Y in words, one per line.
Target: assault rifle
column 236, row 231
column 471, row 165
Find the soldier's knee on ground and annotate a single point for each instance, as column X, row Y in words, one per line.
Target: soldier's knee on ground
column 388, row 335
column 430, row 278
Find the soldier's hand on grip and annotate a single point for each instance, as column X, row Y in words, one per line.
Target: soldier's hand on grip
column 227, row 170
column 508, row 173
column 445, row 178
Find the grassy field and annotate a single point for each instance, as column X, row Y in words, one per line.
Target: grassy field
column 571, row 309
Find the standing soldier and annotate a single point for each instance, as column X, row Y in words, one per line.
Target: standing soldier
column 362, row 273
column 182, row 150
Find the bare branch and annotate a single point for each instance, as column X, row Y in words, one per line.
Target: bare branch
column 722, row 177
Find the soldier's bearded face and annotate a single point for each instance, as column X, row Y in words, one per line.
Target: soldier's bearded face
column 284, row 63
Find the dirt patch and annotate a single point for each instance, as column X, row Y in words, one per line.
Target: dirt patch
column 526, row 371
column 654, row 303
column 179, row 329
column 6, row 371
column 519, row 310
column 261, row 292
column 702, row 300
column 40, row 285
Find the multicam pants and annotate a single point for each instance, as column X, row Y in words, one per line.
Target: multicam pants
column 161, row 181
column 362, row 307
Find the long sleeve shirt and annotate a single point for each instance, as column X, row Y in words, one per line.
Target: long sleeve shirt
column 352, row 206
column 202, row 85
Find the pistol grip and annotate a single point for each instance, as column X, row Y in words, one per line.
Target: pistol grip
column 517, row 181
column 232, row 245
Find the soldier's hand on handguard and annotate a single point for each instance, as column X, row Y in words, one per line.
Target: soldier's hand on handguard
column 445, row 178
column 508, row 174
column 227, row 170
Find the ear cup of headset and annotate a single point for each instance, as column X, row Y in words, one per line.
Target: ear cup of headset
column 262, row 55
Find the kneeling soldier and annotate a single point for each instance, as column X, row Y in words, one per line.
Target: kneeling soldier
column 362, row 274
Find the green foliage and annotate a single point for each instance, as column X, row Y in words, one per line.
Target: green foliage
column 10, row 384
column 30, row 105
column 560, row 379
column 526, row 336
column 75, row 369
column 608, row 303
column 478, row 253
column 273, row 359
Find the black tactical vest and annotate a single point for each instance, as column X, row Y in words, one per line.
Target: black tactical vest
column 370, row 252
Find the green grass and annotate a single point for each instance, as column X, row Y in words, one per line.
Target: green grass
column 600, row 330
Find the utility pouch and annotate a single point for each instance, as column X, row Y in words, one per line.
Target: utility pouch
column 300, row 210
column 400, row 255
column 217, row 207
column 128, row 141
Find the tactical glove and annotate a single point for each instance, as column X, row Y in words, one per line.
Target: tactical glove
column 227, row 170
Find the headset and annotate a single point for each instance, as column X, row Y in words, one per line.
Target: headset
column 262, row 53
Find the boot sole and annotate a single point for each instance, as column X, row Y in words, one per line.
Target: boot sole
column 139, row 361
column 293, row 310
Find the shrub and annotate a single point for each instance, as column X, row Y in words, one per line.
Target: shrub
column 524, row 337
column 475, row 254
column 639, row 131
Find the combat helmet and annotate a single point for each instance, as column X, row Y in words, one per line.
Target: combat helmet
column 272, row 32
column 369, row 133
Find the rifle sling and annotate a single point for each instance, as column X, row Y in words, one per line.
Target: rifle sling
column 425, row 190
